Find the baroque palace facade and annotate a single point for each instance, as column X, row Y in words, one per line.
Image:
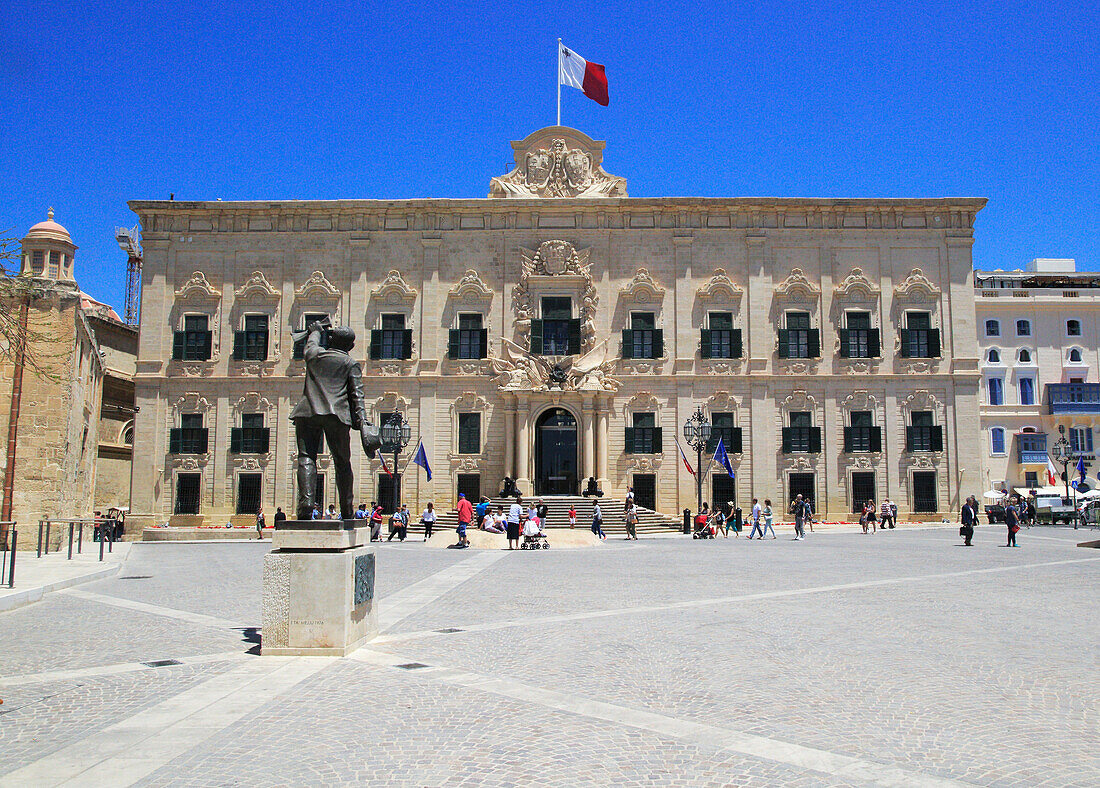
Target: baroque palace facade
column 559, row 330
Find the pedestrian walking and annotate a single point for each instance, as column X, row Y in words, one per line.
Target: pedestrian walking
column 631, row 517
column 427, row 519
column 968, row 517
column 260, row 522
column 800, row 510
column 403, row 530
column 572, row 516
column 629, row 496
column 280, row 516
column 886, row 514
column 515, row 514
column 719, row 518
column 465, row 517
column 1012, row 520
column 597, row 521
column 395, row 520
column 731, row 520
column 768, row 517
column 893, row 514
column 755, row 516
column 375, row 522
column 542, row 510
column 867, row 517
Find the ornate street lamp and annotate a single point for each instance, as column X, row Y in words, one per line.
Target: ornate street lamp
column 396, row 434
column 697, row 434
column 1062, row 453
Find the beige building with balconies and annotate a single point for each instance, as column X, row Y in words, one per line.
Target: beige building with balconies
column 560, row 330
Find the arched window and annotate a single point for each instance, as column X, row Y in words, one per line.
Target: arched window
column 128, row 435
column 994, row 356
column 993, row 328
column 1023, row 328
column 1074, row 356
column 997, row 440
column 1025, row 356
column 1073, row 328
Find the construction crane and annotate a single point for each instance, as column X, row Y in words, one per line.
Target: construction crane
column 127, row 242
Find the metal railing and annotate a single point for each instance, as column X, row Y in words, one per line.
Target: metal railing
column 103, row 531
column 10, row 539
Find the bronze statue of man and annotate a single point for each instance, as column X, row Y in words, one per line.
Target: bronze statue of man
column 331, row 406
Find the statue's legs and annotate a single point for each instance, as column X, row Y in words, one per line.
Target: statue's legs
column 337, row 434
column 308, row 435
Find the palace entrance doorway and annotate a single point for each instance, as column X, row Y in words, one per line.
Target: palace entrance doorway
column 556, row 453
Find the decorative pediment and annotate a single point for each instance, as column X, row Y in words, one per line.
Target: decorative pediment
column 471, row 288
column 394, row 290
column 857, row 287
column 388, row 403
column 722, row 402
column 556, row 258
column 642, row 289
column 557, row 162
column 254, row 402
column 192, row 402
column 720, row 288
column 922, row 399
column 197, row 289
column 797, row 287
column 860, row 400
column 317, row 288
column 470, row 402
column 642, row 402
column 916, row 287
column 799, row 401
column 257, row 288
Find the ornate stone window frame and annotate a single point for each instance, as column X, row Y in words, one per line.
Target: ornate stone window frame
column 857, row 293
column 394, row 291
column 799, row 401
column 555, row 268
column 862, row 400
column 191, row 402
column 198, row 297
column 643, row 402
column 720, row 290
column 469, row 402
column 917, row 293
column 642, row 290
column 724, row 402
column 254, row 402
column 796, row 293
column 256, row 295
column 470, row 295
column 393, row 296
column 316, row 294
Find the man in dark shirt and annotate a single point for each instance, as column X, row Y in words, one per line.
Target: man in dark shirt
column 1012, row 520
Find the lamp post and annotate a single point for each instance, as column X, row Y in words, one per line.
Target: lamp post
column 396, row 432
column 1062, row 453
column 697, row 434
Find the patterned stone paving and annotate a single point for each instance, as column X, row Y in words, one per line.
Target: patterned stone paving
column 899, row 651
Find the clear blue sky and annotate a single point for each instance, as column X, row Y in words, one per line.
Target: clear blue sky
column 108, row 102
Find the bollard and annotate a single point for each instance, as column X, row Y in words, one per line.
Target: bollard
column 111, row 543
column 101, row 541
column 47, row 538
column 70, row 542
column 11, row 568
column 39, row 539
column 738, row 522
column 80, row 538
column 687, row 521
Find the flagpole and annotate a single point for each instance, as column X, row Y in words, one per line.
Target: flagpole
column 559, row 82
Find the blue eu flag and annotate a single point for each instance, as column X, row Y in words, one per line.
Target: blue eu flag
column 722, row 458
column 421, row 459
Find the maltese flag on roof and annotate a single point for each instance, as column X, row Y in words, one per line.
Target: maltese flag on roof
column 575, row 71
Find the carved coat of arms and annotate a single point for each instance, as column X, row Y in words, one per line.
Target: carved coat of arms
column 557, row 171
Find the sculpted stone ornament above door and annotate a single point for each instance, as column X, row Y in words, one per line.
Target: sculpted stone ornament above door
column 558, row 162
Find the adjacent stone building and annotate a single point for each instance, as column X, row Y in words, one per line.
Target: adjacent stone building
column 1039, row 334
column 560, row 330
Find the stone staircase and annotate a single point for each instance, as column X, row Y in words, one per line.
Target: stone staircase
column 614, row 522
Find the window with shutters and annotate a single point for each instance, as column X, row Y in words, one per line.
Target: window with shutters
column 251, row 343
column 1027, row 391
column 993, row 328
column 1023, row 328
column 557, row 328
column 190, row 437
column 996, row 389
column 997, row 441
column 801, row 436
column 469, row 340
column 643, row 339
column 858, row 339
column 252, row 437
column 392, row 340
column 720, row 339
column 918, row 338
column 923, row 434
column 644, row 437
column 193, row 343
column 1080, row 440
column 798, row 340
column 308, row 319
column 469, row 433
column 862, row 435
column 722, row 425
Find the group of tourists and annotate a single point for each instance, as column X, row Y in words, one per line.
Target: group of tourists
column 874, row 518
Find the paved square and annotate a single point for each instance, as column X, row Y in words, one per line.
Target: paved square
column 895, row 659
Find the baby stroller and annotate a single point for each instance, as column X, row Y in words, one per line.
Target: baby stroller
column 533, row 537
column 704, row 528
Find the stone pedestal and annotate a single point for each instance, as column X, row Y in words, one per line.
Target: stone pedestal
column 318, row 594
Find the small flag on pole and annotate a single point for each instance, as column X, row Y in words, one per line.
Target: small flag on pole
column 684, row 459
column 421, row 459
column 1081, row 467
column 385, row 467
column 1052, row 473
column 576, row 72
column 722, row 458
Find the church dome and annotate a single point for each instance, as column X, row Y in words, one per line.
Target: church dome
column 49, row 230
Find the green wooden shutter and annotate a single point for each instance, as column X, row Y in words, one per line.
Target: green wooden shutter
column 814, row 342
column 848, row 438
column 629, row 447
column 453, row 342
column 704, row 343
column 876, row 439
column 735, row 441
column 238, row 345
column 937, row 438
column 235, row 440
column 204, row 441
column 207, row 344
column 376, row 343
column 628, row 343
column 815, row 440
column 735, row 343
column 574, row 336
column 786, row 440
column 784, row 344
column 933, row 343
column 903, row 335
column 658, row 447
column 658, row 342
column 483, row 343
column 843, row 345
column 177, row 345
column 536, row 337
column 874, row 347
column 175, row 441
column 407, row 343
column 909, row 438
column 263, row 354
column 264, row 442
